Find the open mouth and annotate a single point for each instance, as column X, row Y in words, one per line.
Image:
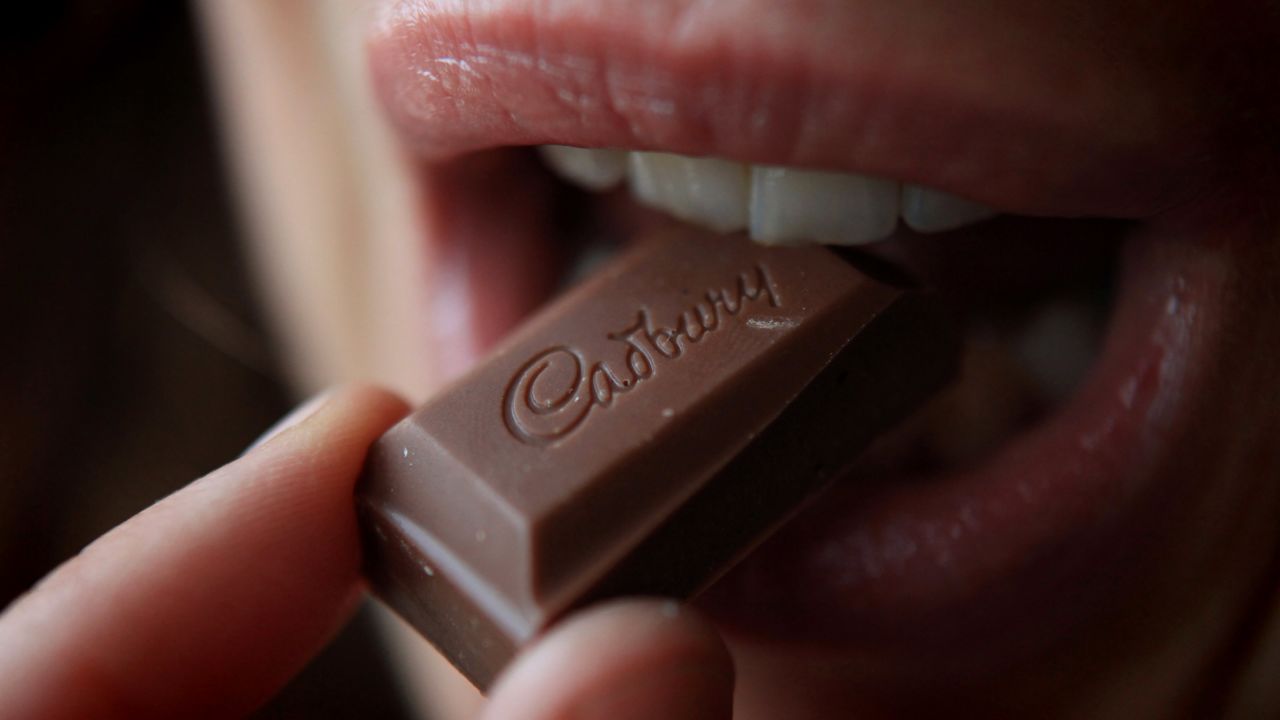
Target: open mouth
column 1001, row 514
column 1076, row 352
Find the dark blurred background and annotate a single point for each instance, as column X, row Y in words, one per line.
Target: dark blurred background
column 133, row 359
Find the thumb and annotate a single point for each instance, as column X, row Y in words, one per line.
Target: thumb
column 628, row 659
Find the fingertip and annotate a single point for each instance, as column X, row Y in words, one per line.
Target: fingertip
column 627, row 659
column 370, row 405
column 212, row 598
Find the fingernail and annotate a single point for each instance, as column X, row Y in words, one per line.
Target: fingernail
column 295, row 417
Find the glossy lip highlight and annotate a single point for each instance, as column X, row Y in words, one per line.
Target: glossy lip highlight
column 732, row 82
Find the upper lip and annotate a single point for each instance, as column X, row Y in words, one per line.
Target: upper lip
column 867, row 92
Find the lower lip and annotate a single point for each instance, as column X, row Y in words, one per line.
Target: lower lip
column 935, row 562
column 1003, row 551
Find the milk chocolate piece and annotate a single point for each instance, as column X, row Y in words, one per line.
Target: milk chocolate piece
column 638, row 436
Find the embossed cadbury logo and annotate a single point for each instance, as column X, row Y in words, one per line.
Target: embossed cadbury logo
column 552, row 394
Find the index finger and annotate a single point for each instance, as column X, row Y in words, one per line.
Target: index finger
column 207, row 602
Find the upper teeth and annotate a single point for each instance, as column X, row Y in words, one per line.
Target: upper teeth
column 794, row 205
column 592, row 169
column 774, row 204
column 929, row 210
column 702, row 190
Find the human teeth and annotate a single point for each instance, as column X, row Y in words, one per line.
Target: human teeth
column 791, row 206
column 1057, row 348
column 777, row 205
column 986, row 405
column 927, row 210
column 703, row 190
column 593, row 169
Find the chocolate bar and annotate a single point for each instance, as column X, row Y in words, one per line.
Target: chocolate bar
column 639, row 436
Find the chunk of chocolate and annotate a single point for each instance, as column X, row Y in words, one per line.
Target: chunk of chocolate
column 638, row 436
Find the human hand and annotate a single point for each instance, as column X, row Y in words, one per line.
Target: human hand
column 208, row 602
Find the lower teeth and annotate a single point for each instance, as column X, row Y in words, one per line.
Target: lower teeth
column 1010, row 379
column 1057, row 347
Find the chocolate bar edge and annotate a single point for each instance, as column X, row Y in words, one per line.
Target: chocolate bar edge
column 665, row 563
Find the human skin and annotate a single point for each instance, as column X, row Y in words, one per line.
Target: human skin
column 1141, row 583
column 206, row 603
